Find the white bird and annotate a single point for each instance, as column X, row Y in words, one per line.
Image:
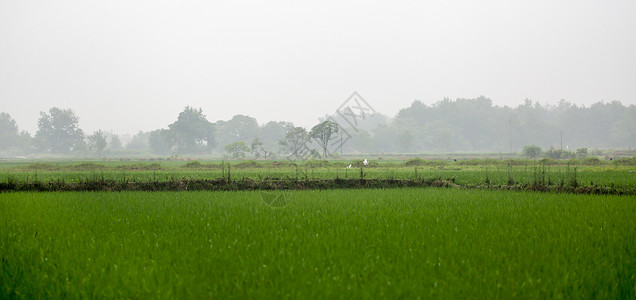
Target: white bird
column 365, row 162
column 349, row 167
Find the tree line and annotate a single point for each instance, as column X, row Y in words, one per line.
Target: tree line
column 461, row 125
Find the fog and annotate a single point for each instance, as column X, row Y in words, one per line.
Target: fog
column 126, row 66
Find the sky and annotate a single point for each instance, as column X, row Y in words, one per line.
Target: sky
column 126, row 66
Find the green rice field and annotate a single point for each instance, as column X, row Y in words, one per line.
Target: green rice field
column 373, row 243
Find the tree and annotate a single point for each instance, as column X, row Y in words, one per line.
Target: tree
column 295, row 141
column 257, row 147
column 160, row 141
column 323, row 132
column 558, row 154
column 192, row 132
column 272, row 132
column 581, row 153
column 532, row 151
column 97, row 142
column 237, row 149
column 239, row 128
column 139, row 142
column 8, row 131
column 58, row 131
column 115, row 142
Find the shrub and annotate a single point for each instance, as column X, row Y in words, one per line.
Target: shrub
column 532, row 151
column 43, row 166
column 413, row 162
column 193, row 165
column 247, row 164
column 591, row 161
column 558, row 154
column 152, row 166
column 86, row 166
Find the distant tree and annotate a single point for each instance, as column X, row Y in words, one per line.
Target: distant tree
column 404, row 141
column 192, row 132
column 115, row 142
column 58, row 131
column 532, row 151
column 360, row 142
column 558, row 154
column 258, row 147
column 139, row 142
column 237, row 149
column 161, row 141
column 581, row 153
column 97, row 142
column 24, row 142
column 239, row 128
column 8, row 131
column 272, row 132
column 623, row 131
column 295, row 141
column 324, row 132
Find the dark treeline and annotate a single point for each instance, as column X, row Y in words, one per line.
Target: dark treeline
column 462, row 125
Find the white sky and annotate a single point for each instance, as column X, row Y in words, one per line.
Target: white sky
column 133, row 65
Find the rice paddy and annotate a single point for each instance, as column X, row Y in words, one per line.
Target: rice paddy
column 337, row 243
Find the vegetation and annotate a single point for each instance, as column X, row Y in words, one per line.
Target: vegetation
column 589, row 175
column 323, row 133
column 532, row 151
column 97, row 142
column 447, row 126
column 399, row 243
column 295, row 143
column 237, row 149
column 59, row 132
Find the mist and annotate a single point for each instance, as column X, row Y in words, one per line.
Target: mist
column 124, row 67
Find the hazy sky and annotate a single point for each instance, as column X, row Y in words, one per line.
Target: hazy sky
column 133, row 65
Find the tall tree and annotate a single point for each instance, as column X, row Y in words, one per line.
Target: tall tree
column 97, row 142
column 323, row 132
column 161, row 141
column 295, row 142
column 139, row 142
column 58, row 131
column 8, row 131
column 115, row 142
column 258, row 147
column 239, row 128
column 192, row 132
column 272, row 132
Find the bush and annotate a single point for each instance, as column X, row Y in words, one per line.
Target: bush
column 581, row 153
column 591, row 161
column 558, row 154
column 86, row 166
column 358, row 163
column 316, row 164
column 413, row 162
column 152, row 166
column 631, row 161
column 193, row 165
column 42, row 166
column 532, row 151
column 248, row 164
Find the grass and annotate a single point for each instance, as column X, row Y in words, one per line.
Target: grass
column 482, row 173
column 398, row 243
